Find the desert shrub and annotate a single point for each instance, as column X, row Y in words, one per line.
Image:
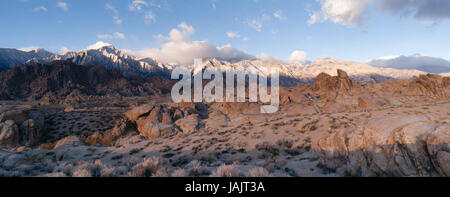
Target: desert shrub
column 285, row 144
column 57, row 174
column 96, row 168
column 130, row 161
column 195, row 168
column 67, row 169
column 258, row 172
column 108, row 172
column 180, row 172
column 226, row 171
column 209, row 157
column 6, row 173
column 161, row 172
column 81, row 172
column 147, row 167
column 293, row 151
column 266, row 147
column 88, row 169
column 311, row 126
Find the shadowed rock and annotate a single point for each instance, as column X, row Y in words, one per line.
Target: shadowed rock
column 389, row 146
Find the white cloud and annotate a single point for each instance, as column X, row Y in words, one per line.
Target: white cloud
column 279, row 15
column 108, row 6
column 137, row 5
column 115, row 35
column 117, row 20
column 315, row 17
column 257, row 23
column 186, row 28
column 297, row 57
column 233, row 35
column 417, row 61
column 161, row 38
column 30, row 48
column 116, row 17
column 64, row 50
column 179, row 49
column 63, row 5
column 267, row 57
column 105, row 36
column 346, row 12
column 98, row 45
column 40, row 8
column 149, row 17
column 119, row 35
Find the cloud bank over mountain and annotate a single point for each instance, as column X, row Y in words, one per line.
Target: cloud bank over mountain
column 416, row 61
column 178, row 48
column 98, row 45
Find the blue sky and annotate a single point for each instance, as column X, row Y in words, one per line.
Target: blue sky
column 274, row 27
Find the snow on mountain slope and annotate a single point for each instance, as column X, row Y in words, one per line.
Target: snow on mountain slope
column 355, row 69
column 111, row 57
column 14, row 57
column 129, row 65
column 294, row 73
column 106, row 56
column 417, row 61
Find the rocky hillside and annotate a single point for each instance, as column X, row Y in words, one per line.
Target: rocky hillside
column 61, row 78
column 340, row 93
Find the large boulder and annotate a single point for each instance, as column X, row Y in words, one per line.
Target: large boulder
column 139, row 111
column 17, row 115
column 398, row 145
column 153, row 130
column 217, row 119
column 9, row 134
column 428, row 85
column 155, row 121
column 326, row 82
column 21, row 127
column 69, row 141
column 188, row 124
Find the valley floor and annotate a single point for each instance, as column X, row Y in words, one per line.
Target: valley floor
column 392, row 141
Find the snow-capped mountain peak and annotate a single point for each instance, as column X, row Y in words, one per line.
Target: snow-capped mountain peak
column 108, row 56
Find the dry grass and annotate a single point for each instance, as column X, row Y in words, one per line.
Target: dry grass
column 179, row 173
column 258, row 172
column 226, row 171
column 196, row 169
column 147, row 168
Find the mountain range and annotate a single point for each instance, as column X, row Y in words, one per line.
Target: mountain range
column 62, row 78
column 131, row 66
column 106, row 56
